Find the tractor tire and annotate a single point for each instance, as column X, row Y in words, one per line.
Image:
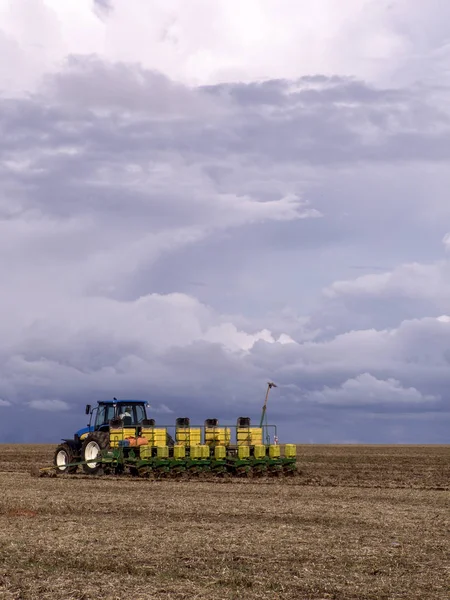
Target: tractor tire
column 64, row 455
column 93, row 445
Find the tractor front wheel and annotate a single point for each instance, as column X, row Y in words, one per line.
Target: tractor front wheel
column 92, row 448
column 64, row 455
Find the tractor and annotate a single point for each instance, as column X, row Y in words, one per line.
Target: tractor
column 90, row 441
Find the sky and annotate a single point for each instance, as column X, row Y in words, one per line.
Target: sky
column 200, row 197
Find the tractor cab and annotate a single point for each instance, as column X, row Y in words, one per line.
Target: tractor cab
column 131, row 413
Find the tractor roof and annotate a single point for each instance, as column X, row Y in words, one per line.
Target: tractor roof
column 119, row 401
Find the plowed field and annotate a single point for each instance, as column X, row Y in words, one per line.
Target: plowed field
column 359, row 522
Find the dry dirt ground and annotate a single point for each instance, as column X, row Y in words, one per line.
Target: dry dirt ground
column 359, row 522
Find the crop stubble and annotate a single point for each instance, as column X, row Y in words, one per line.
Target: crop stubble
column 359, row 522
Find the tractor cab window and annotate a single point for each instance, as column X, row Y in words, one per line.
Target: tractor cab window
column 131, row 415
column 104, row 414
column 140, row 413
column 126, row 413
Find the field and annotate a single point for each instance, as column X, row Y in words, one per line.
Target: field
column 359, row 522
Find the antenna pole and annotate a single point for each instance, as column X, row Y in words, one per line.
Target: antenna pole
column 270, row 385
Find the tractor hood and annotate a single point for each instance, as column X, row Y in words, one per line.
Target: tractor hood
column 81, row 433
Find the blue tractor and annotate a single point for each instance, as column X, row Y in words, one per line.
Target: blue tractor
column 90, row 441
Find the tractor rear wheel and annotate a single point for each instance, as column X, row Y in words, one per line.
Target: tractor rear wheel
column 64, row 455
column 92, row 447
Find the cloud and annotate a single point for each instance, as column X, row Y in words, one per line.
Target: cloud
column 162, row 409
column 231, row 338
column 165, row 343
column 4, row 402
column 116, row 219
column 172, row 241
column 366, row 390
column 446, row 240
column 410, row 281
column 378, row 41
column 381, row 299
column 49, row 405
column 102, row 8
column 168, row 200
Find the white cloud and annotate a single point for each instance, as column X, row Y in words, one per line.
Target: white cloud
column 148, row 325
column 161, row 409
column 446, row 241
column 419, row 342
column 229, row 336
column 443, row 319
column 233, row 339
column 235, row 210
column 52, row 405
column 243, row 41
column 4, row 402
column 415, row 280
column 365, row 389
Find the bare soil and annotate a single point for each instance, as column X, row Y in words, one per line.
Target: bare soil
column 359, row 522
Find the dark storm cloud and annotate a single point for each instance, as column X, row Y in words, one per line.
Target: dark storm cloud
column 319, row 90
column 338, row 120
column 120, row 191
